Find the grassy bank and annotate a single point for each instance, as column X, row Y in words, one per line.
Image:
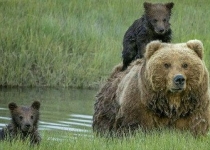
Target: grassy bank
column 155, row 141
column 76, row 43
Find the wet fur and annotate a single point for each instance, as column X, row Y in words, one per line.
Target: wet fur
column 106, row 107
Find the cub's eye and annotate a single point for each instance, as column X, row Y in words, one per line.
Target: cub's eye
column 164, row 20
column 184, row 66
column 166, row 65
column 32, row 117
column 155, row 20
column 21, row 117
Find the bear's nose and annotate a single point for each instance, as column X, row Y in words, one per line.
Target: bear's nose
column 179, row 80
column 161, row 30
column 27, row 125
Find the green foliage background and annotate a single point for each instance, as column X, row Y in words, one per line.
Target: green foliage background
column 76, row 43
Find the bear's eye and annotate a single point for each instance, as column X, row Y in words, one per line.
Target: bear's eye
column 164, row 20
column 166, row 65
column 184, row 66
column 32, row 117
column 155, row 20
column 21, row 117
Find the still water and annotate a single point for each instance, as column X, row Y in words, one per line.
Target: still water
column 68, row 110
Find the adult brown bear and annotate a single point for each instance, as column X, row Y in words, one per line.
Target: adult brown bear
column 169, row 87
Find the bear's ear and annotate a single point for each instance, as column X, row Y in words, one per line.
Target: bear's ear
column 169, row 6
column 147, row 6
column 151, row 48
column 12, row 106
column 35, row 105
column 197, row 46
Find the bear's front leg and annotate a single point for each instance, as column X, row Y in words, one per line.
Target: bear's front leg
column 199, row 126
column 196, row 124
column 129, row 120
column 125, row 124
column 35, row 138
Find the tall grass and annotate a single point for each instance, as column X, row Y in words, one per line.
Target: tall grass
column 75, row 43
column 166, row 140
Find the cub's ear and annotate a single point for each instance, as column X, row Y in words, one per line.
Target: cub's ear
column 35, row 105
column 197, row 46
column 169, row 5
column 12, row 106
column 151, row 48
column 147, row 6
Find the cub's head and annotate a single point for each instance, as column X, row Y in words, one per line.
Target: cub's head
column 25, row 118
column 158, row 16
column 175, row 67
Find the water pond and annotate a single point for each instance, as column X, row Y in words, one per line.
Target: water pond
column 61, row 109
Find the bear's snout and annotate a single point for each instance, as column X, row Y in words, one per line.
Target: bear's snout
column 179, row 82
column 27, row 127
column 160, row 30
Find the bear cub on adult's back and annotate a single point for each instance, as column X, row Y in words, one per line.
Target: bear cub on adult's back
column 153, row 25
column 24, row 123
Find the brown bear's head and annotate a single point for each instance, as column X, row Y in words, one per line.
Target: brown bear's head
column 25, row 118
column 174, row 67
column 158, row 16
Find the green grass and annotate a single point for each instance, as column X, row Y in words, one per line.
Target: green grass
column 166, row 140
column 76, row 43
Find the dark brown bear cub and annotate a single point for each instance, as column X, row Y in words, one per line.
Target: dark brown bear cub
column 24, row 123
column 153, row 25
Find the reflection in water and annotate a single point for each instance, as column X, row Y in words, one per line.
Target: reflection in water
column 76, row 124
column 61, row 109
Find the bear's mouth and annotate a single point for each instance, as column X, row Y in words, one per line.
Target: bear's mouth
column 176, row 89
column 160, row 32
column 27, row 129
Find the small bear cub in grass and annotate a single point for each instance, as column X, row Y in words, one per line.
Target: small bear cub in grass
column 153, row 25
column 24, row 123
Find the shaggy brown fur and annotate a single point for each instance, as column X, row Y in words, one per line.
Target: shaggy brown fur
column 24, row 123
column 153, row 25
column 168, row 88
column 105, row 106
